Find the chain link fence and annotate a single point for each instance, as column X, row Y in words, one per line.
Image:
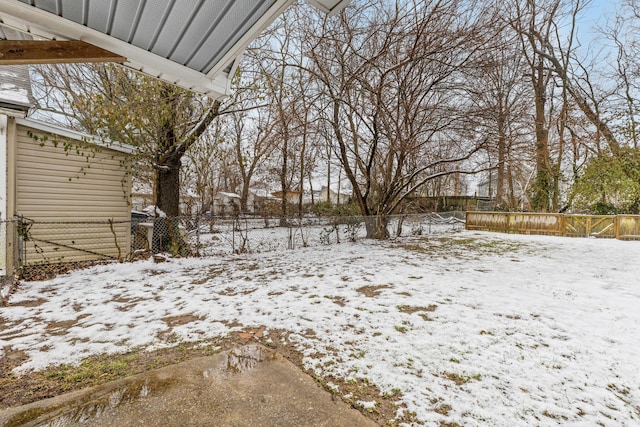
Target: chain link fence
column 205, row 235
column 46, row 248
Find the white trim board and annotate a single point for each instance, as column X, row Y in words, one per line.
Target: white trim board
column 71, row 134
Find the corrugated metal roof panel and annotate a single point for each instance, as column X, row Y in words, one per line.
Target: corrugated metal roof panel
column 210, row 54
column 178, row 22
column 210, row 17
column 120, row 17
column 153, row 20
column 48, row 5
column 190, row 43
column 194, row 33
column 73, row 10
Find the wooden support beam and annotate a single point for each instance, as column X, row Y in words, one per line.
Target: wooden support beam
column 14, row 52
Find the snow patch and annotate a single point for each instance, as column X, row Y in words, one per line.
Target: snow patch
column 472, row 328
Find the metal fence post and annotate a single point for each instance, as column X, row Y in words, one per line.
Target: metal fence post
column 22, row 234
column 197, row 235
column 233, row 236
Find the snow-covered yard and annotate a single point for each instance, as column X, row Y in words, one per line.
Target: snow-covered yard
column 466, row 327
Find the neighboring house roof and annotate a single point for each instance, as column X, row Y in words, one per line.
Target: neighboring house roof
column 71, row 134
column 261, row 193
column 15, row 88
column 334, row 190
column 288, row 193
column 141, row 188
column 195, row 44
column 229, row 195
column 190, row 193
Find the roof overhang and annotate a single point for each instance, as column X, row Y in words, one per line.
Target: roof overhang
column 194, row 44
column 74, row 135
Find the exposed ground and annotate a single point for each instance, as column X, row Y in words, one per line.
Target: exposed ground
column 457, row 329
column 16, row 390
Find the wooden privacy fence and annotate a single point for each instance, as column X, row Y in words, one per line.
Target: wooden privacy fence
column 624, row 227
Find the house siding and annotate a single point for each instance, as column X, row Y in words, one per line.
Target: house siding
column 62, row 191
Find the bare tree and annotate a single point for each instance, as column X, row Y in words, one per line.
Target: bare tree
column 203, row 166
column 252, row 137
column 626, row 70
column 500, row 100
column 388, row 74
column 548, row 31
column 534, row 25
column 277, row 59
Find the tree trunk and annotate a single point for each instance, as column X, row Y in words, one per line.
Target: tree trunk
column 283, row 180
column 377, row 227
column 543, row 183
column 171, row 150
column 168, row 157
column 168, row 193
column 502, row 149
column 513, row 202
column 329, row 179
column 244, row 195
column 166, row 231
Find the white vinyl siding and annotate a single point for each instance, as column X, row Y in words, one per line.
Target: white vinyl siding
column 71, row 197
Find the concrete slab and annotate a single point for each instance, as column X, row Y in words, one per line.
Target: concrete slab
column 247, row 386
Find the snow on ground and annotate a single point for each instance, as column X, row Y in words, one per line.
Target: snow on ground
column 468, row 327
